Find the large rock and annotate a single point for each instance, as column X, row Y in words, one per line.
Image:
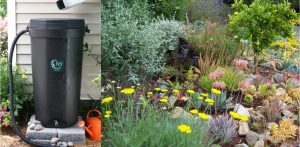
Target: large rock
column 266, row 135
column 251, row 138
column 294, row 82
column 240, row 109
column 259, row 119
column 243, row 128
column 172, row 100
column 278, row 78
column 179, row 112
column 259, row 143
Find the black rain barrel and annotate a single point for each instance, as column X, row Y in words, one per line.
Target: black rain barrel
column 57, row 48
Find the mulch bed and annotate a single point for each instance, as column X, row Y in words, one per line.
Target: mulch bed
column 8, row 138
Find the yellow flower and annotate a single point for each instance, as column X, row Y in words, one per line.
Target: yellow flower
column 185, row 129
column 127, row 91
column 204, row 94
column 108, row 112
column 203, row 116
column 194, row 111
column 175, row 91
column 209, row 100
column 287, row 53
column 215, row 91
column 163, row 100
column 106, row 100
column 149, row 93
column 238, row 116
column 157, row 89
column 188, row 132
column 164, row 90
column 234, row 115
column 106, row 116
column 24, row 76
column 190, row 91
column 200, row 97
column 243, row 118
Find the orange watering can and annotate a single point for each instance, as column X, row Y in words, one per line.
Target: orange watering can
column 94, row 126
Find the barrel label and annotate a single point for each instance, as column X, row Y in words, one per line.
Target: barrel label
column 56, row 65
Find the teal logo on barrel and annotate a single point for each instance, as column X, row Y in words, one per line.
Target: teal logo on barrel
column 56, row 65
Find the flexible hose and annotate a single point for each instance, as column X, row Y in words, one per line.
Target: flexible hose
column 11, row 93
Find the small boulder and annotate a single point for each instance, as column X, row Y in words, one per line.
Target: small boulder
column 38, row 128
column 179, row 112
column 54, row 140
column 172, row 100
column 259, row 119
column 287, row 114
column 241, row 145
column 59, row 143
column 32, row 126
column 266, row 135
column 240, row 109
column 29, row 123
column 36, row 122
column 251, row 138
column 70, row 144
column 243, row 128
column 282, row 105
column 278, row 78
column 259, row 143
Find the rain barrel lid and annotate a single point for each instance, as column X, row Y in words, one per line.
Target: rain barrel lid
column 57, row 23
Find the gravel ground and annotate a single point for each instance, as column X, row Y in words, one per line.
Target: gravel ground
column 8, row 138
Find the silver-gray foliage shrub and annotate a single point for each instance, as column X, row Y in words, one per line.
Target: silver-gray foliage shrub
column 223, row 128
column 133, row 45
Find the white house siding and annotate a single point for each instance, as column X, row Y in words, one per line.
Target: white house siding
column 27, row 9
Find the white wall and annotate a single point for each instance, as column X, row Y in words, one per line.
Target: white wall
column 21, row 11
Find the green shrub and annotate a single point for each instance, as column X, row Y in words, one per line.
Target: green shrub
column 171, row 8
column 3, row 8
column 133, row 46
column 223, row 128
column 231, row 78
column 136, row 126
column 208, row 9
column 3, row 37
column 267, row 90
column 261, row 22
column 22, row 91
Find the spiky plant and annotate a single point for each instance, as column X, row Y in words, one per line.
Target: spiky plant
column 267, row 90
column 248, row 99
column 223, row 128
column 273, row 111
